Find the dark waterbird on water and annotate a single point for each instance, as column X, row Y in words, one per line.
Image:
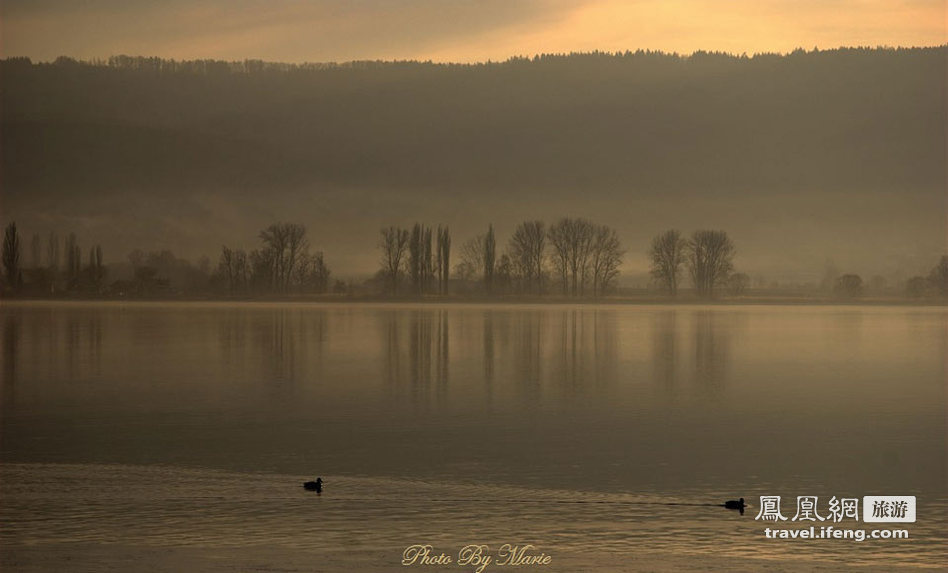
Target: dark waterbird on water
column 316, row 486
column 739, row 505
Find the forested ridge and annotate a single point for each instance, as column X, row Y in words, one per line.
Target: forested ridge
column 650, row 121
column 808, row 157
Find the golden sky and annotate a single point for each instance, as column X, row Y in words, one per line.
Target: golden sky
column 453, row 30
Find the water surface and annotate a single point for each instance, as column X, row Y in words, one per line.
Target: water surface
column 576, row 428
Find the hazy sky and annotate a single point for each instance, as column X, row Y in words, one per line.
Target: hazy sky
column 452, row 30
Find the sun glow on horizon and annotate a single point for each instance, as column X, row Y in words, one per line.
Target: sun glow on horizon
column 464, row 32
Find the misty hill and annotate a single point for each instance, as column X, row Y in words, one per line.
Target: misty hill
column 813, row 155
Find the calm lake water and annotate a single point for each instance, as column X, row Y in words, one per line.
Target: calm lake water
column 599, row 429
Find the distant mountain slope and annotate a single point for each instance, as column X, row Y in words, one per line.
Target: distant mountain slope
column 653, row 127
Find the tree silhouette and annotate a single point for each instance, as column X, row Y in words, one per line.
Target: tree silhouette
column 490, row 253
column 11, row 256
column 420, row 265
column 667, row 255
column 261, row 263
column 415, row 253
column 572, row 244
column 527, row 248
column 286, row 243
column 52, row 253
column 312, row 274
column 710, row 257
column 427, row 268
column 737, row 283
column 503, row 275
column 443, row 259
column 96, row 268
column 938, row 277
column 472, row 258
column 73, row 260
column 605, row 258
column 233, row 267
column 393, row 243
column 848, row 286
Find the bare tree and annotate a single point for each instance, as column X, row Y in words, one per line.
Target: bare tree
column 52, row 253
column 667, row 255
column 261, row 265
column 490, row 252
column 393, row 243
column 710, row 257
column 503, row 273
column 559, row 256
column 286, row 243
column 296, row 248
column 420, row 266
column 527, row 249
column 96, row 267
column 472, row 258
column 227, row 268
column 428, row 261
column 241, row 269
column 312, row 274
column 73, row 259
column 605, row 258
column 234, row 268
column 443, row 259
column 414, row 257
column 11, row 256
column 572, row 244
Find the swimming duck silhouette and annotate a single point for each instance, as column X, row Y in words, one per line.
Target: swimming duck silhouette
column 316, row 486
column 739, row 505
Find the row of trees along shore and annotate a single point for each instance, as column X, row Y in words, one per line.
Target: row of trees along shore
column 573, row 257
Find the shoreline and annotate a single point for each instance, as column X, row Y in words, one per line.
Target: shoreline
column 499, row 301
